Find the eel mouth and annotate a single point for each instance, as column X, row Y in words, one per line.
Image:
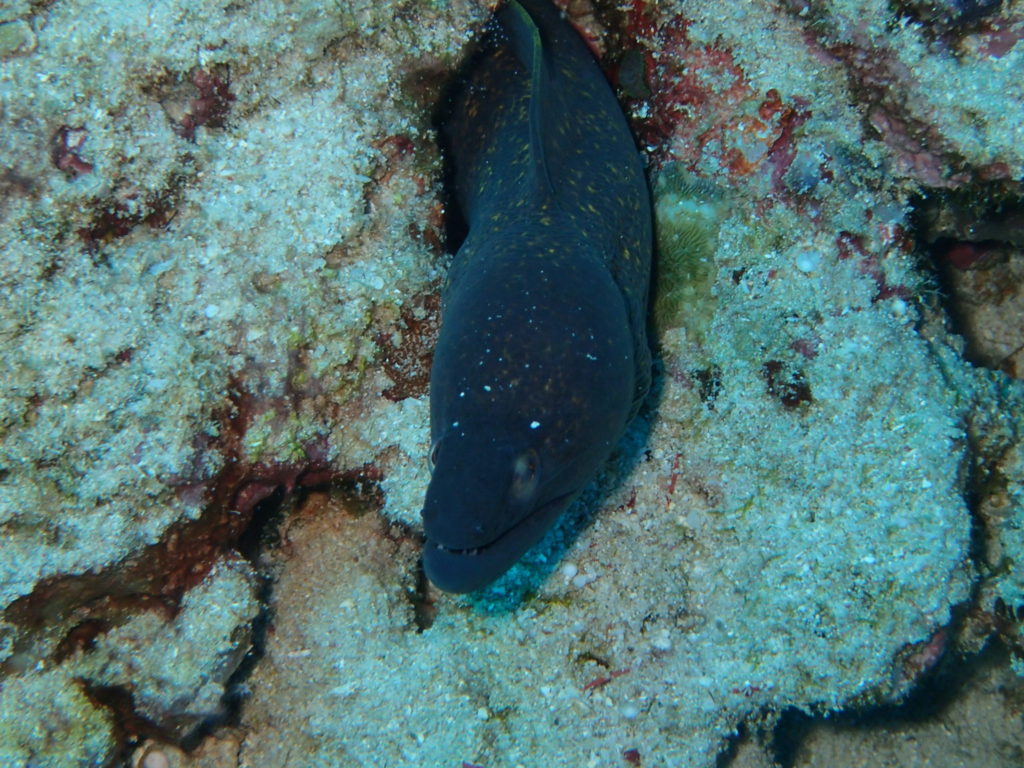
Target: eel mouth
column 465, row 570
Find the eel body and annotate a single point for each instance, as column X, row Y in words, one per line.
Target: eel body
column 542, row 357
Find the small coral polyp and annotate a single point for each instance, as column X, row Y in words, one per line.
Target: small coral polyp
column 688, row 213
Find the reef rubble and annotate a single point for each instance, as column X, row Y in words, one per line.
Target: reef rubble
column 222, row 231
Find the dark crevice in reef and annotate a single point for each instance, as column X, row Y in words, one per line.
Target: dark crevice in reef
column 241, row 505
column 130, row 728
column 157, row 580
column 972, row 240
column 263, row 528
column 243, row 509
column 424, row 610
column 929, row 700
column 946, row 20
column 934, row 673
column 456, row 227
column 930, row 675
column 731, row 748
column 980, row 481
column 263, row 533
column 986, row 492
column 792, row 729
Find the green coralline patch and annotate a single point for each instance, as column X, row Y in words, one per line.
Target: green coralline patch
column 687, row 214
column 16, row 39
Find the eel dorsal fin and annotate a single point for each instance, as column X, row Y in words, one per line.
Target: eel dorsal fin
column 529, row 49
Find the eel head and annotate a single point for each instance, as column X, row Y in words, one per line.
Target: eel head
column 488, row 502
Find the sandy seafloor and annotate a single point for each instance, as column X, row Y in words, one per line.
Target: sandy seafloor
column 221, row 246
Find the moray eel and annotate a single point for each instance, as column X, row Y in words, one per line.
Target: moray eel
column 542, row 357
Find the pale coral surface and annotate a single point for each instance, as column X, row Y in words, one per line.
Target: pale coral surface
column 220, row 228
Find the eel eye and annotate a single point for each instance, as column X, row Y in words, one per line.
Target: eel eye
column 432, row 456
column 525, row 474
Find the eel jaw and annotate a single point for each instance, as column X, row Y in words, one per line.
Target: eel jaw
column 466, row 570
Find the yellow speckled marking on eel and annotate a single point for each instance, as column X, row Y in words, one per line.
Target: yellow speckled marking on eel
column 542, row 358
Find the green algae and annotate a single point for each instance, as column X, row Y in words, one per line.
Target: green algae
column 688, row 213
column 16, row 39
